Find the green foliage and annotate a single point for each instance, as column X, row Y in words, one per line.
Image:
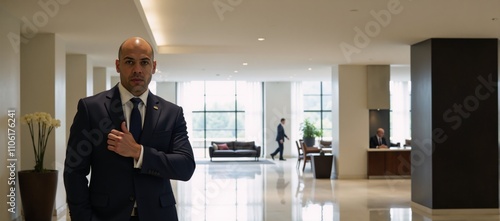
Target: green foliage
column 309, row 130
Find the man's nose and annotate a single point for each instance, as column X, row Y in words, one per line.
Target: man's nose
column 137, row 68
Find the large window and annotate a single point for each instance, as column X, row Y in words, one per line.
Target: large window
column 400, row 115
column 223, row 111
column 318, row 106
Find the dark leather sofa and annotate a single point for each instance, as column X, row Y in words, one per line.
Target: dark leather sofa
column 235, row 149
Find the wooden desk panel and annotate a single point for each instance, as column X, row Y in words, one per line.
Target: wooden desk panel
column 389, row 162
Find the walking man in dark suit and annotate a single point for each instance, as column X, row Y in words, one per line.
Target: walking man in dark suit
column 280, row 138
column 133, row 141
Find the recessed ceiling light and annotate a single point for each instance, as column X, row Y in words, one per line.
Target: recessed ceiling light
column 310, row 69
column 261, row 39
column 235, row 71
column 245, row 64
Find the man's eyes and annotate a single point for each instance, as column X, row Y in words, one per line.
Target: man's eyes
column 132, row 62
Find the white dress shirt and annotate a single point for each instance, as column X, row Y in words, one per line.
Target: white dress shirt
column 127, row 105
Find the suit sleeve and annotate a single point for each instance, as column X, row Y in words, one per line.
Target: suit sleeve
column 77, row 166
column 177, row 162
column 373, row 142
column 281, row 133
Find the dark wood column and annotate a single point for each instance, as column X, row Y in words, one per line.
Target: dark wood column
column 455, row 123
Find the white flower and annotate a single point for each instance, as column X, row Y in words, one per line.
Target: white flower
column 41, row 125
column 55, row 123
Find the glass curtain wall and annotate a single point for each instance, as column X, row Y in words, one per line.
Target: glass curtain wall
column 221, row 111
column 317, row 101
column 400, row 115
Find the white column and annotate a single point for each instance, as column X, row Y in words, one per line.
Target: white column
column 79, row 75
column 278, row 104
column 167, row 90
column 114, row 80
column 43, row 89
column 378, row 77
column 350, row 121
column 10, row 100
column 101, row 80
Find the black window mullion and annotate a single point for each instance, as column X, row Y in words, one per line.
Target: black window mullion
column 235, row 112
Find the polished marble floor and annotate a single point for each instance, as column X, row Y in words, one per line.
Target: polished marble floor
column 277, row 190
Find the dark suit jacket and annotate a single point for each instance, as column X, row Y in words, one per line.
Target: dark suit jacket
column 374, row 141
column 281, row 133
column 115, row 185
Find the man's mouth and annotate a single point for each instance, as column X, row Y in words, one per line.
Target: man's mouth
column 137, row 80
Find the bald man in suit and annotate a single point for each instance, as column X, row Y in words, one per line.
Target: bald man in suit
column 131, row 171
column 378, row 141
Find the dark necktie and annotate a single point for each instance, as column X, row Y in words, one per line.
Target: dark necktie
column 135, row 126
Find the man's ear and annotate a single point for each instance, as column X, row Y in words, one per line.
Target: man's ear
column 154, row 67
column 117, row 65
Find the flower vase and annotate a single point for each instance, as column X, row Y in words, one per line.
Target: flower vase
column 38, row 193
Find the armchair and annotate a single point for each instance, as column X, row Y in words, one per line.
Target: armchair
column 307, row 150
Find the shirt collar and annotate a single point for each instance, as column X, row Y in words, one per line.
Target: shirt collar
column 126, row 95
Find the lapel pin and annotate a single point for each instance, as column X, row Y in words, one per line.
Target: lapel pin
column 155, row 107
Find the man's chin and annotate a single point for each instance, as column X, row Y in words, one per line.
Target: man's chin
column 138, row 90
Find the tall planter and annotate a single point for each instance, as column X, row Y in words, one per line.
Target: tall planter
column 38, row 193
column 309, row 141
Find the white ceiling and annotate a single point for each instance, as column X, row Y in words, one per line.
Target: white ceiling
column 196, row 41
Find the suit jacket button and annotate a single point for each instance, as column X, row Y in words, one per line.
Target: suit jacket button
column 131, row 198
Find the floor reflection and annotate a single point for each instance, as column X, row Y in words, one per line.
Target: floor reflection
column 277, row 190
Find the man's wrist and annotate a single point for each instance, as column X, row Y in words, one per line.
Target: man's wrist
column 138, row 151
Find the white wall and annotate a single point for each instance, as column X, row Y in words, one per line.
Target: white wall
column 167, row 91
column 10, row 100
column 277, row 105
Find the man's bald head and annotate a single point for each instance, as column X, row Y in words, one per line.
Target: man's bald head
column 136, row 41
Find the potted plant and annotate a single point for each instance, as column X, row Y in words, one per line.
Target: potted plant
column 38, row 186
column 309, row 133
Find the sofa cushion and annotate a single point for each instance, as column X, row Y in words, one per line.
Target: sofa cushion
column 222, row 146
column 244, row 145
column 246, row 153
column 215, row 146
column 223, row 153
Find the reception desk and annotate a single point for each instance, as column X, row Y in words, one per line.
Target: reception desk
column 389, row 163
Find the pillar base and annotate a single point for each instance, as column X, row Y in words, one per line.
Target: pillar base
column 433, row 213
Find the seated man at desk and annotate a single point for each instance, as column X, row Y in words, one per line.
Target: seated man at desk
column 378, row 141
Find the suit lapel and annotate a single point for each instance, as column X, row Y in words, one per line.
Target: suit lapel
column 114, row 107
column 153, row 111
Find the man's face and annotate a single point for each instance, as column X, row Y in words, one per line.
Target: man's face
column 380, row 133
column 136, row 66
